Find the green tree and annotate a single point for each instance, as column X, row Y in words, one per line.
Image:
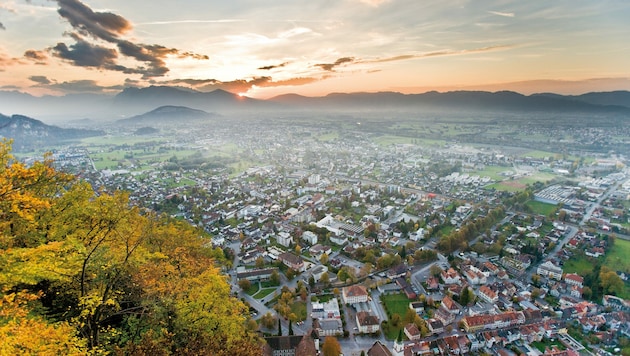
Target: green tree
column 274, row 279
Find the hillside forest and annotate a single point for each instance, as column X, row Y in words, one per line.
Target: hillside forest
column 84, row 272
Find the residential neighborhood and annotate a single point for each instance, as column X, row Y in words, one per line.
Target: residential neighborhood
column 402, row 249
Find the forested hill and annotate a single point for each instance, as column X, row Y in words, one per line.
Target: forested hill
column 84, row 273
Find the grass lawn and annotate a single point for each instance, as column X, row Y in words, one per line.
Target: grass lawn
column 396, row 304
column 329, row 136
column 387, row 140
column 253, row 289
column 507, row 186
column 263, row 293
column 538, row 154
column 268, row 284
column 578, row 264
column 299, row 309
column 541, row 345
column 324, row 298
column 541, row 208
column 617, row 259
column 493, row 172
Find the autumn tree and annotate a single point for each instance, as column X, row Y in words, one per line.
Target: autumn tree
column 331, row 346
column 435, row 270
column 245, row 284
column 127, row 280
column 274, row 279
column 610, row 282
column 268, row 320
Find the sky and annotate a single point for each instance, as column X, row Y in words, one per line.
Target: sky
column 264, row 48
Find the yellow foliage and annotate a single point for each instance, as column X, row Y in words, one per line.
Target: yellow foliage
column 23, row 335
column 112, row 262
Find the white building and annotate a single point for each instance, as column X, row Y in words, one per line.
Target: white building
column 309, row 237
column 550, row 270
column 284, row 238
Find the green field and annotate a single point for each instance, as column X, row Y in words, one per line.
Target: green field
column 119, row 140
column 541, row 208
column 538, row 154
column 579, row 265
column 618, row 259
column 507, row 186
column 263, row 293
column 494, row 172
column 299, row 309
column 328, row 137
column 396, row 303
column 252, row 289
column 387, row 140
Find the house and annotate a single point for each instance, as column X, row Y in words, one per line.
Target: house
column 397, row 271
column 309, row 237
column 328, row 327
column 318, row 272
column 444, row 316
column 256, row 274
column 367, row 322
column 576, row 292
column 318, row 250
column 435, row 326
column 418, row 307
column 574, row 280
column 378, row 349
column 450, row 276
column 615, row 303
column 284, row 238
column 328, row 310
column 449, row 345
column 473, row 323
column 419, row 348
column 292, row 261
column 550, row 270
column 290, row 345
column 433, row 284
column 418, row 235
column 488, row 294
column 450, row 306
column 412, row 332
column 354, row 294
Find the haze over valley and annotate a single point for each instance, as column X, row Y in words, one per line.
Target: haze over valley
column 382, row 177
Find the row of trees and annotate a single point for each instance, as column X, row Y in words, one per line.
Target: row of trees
column 84, row 272
column 458, row 239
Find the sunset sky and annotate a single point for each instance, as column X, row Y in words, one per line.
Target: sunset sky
column 264, row 48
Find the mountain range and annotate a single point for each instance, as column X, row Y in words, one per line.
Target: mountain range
column 135, row 101
column 29, row 134
column 169, row 114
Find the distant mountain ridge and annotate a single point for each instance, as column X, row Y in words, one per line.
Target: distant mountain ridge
column 169, row 114
column 144, row 99
column 133, row 101
column 28, row 133
column 466, row 100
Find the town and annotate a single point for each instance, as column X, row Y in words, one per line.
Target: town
column 394, row 242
